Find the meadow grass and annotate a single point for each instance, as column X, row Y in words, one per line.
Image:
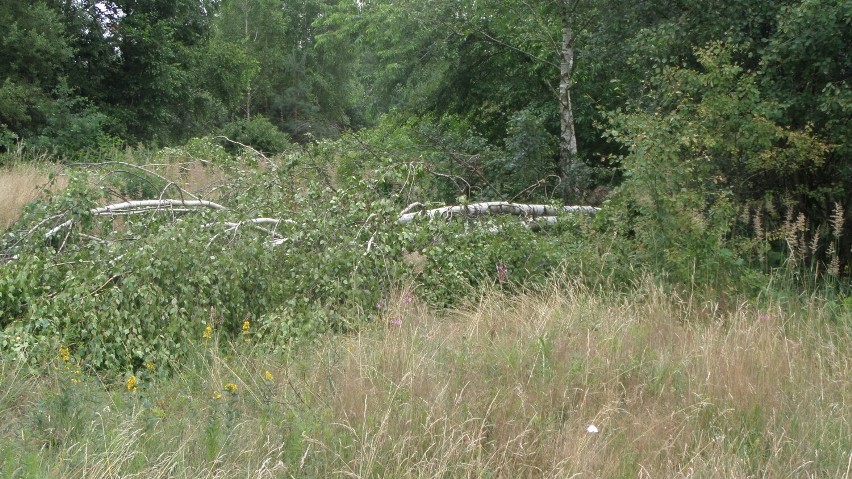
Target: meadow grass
column 21, row 183
column 507, row 387
column 24, row 179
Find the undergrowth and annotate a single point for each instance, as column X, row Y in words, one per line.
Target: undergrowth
column 502, row 387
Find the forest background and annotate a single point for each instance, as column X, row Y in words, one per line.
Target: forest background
column 210, row 194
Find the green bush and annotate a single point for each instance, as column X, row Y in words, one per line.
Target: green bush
column 259, row 133
column 708, row 152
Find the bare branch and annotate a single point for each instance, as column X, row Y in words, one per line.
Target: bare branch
column 411, row 207
column 512, row 47
column 258, row 153
column 181, row 191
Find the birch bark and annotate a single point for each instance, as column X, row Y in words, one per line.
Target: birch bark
column 567, row 136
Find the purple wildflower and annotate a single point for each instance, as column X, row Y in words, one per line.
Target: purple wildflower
column 502, row 273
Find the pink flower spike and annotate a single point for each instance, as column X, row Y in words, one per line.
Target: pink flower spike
column 396, row 321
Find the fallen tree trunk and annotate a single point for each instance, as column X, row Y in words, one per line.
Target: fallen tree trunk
column 154, row 204
column 147, row 206
column 546, row 212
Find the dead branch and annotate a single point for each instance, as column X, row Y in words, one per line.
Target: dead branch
column 411, row 207
column 156, row 204
column 169, row 183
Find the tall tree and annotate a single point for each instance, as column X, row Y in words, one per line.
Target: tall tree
column 302, row 83
column 136, row 60
column 34, row 50
column 489, row 61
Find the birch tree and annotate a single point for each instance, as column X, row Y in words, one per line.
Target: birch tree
column 567, row 134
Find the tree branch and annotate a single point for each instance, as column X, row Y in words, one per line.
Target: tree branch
column 267, row 160
column 181, row 191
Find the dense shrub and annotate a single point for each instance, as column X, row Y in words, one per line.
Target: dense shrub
column 259, row 133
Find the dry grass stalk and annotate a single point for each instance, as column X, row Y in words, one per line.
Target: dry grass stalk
column 196, row 177
column 21, row 184
column 838, row 220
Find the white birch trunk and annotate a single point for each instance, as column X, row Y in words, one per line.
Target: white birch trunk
column 497, row 208
column 567, row 136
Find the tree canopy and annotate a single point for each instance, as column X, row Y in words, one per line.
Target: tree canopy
column 747, row 100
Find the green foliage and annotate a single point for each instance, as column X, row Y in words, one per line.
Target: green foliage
column 205, row 149
column 286, row 70
column 797, row 77
column 806, row 68
column 710, row 146
column 430, row 159
column 709, row 141
column 123, row 292
column 530, row 149
column 19, row 110
column 259, row 133
column 33, row 42
column 8, row 138
column 73, row 125
column 34, row 49
column 228, row 71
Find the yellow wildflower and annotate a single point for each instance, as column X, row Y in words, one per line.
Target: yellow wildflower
column 150, row 365
column 64, row 354
column 208, row 332
column 231, row 388
column 76, row 379
column 267, row 376
column 217, row 395
column 246, row 327
column 131, row 384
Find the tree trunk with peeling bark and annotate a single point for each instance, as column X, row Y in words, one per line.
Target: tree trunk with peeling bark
column 567, row 136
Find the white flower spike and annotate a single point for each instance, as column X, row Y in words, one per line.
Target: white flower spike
column 592, row 429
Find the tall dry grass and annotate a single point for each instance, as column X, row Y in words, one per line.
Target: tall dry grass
column 506, row 388
column 22, row 183
column 509, row 390
column 192, row 175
